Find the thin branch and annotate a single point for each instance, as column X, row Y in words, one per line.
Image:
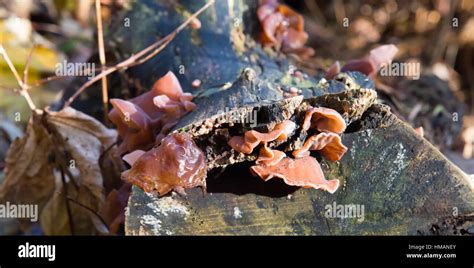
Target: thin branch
column 23, row 86
column 27, row 65
column 90, row 210
column 45, row 80
column 138, row 58
column 55, row 77
column 100, row 40
column 10, row 64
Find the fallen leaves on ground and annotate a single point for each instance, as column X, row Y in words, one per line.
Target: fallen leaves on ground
column 56, row 165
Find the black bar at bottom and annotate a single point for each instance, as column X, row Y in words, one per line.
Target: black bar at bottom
column 397, row 251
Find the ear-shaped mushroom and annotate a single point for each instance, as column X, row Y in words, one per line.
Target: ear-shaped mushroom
column 269, row 157
column 253, row 138
column 146, row 119
column 324, row 119
column 283, row 28
column 177, row 162
column 133, row 125
column 329, row 145
column 129, row 114
column 270, row 24
column 292, row 19
column 364, row 66
column 334, row 150
column 382, row 55
column 168, row 85
column 303, row 172
column 372, row 63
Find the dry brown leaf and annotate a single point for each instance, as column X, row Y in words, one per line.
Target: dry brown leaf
column 28, row 176
column 67, row 140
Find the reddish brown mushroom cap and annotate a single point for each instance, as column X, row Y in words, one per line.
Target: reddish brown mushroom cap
column 329, row 145
column 168, row 85
column 303, row 172
column 253, row 138
column 270, row 26
column 324, row 119
column 371, row 64
column 364, row 66
column 334, row 150
column 127, row 115
column 382, row 55
column 133, row 125
column 292, row 19
column 144, row 120
column 269, row 157
column 177, row 162
column 283, row 28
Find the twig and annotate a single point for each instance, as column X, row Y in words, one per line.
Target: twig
column 90, row 210
column 100, row 40
column 55, row 77
column 23, row 86
column 61, row 153
column 45, row 80
column 10, row 64
column 138, row 58
column 27, row 65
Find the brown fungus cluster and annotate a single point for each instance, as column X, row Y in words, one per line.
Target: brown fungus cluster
column 252, row 138
column 172, row 162
column 175, row 162
column 283, row 29
column 303, row 170
column 174, row 165
column 145, row 120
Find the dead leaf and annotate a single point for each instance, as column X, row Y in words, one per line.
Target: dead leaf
column 59, row 146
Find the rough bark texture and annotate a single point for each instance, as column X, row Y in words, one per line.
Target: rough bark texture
column 405, row 184
column 227, row 112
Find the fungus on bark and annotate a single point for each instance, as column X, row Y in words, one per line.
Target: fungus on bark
column 304, row 170
column 324, row 119
column 174, row 165
column 269, row 157
column 144, row 120
column 329, row 145
column 283, row 29
column 252, row 138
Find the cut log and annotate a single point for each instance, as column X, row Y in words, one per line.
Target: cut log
column 404, row 185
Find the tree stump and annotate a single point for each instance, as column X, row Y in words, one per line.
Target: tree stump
column 403, row 183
